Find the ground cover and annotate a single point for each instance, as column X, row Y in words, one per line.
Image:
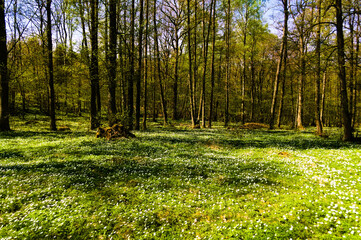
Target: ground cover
column 178, row 183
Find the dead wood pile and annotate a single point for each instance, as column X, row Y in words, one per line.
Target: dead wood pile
column 115, row 132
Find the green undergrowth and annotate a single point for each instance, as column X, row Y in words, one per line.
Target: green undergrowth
column 177, row 183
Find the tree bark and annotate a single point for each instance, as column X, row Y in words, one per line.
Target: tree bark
column 162, row 96
column 132, row 70
column 279, row 65
column 146, row 67
column 228, row 31
column 346, row 118
column 190, row 73
column 4, row 78
column 50, row 67
column 112, row 62
column 210, row 118
column 318, row 75
column 94, row 66
column 140, row 65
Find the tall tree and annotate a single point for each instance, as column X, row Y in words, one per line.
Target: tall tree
column 279, row 65
column 140, row 65
column 210, row 116
column 146, row 66
column 94, row 66
column 190, row 72
column 132, row 69
column 159, row 76
column 318, row 73
column 50, row 67
column 4, row 78
column 346, row 117
column 227, row 36
column 112, row 61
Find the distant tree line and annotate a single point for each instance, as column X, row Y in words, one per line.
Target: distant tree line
column 201, row 60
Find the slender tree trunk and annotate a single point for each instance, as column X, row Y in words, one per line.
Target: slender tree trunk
column 190, row 73
column 358, row 36
column 146, row 67
column 94, row 68
column 162, row 96
column 4, row 78
column 205, row 61
column 228, row 31
column 112, row 62
column 299, row 112
column 50, row 67
column 140, row 65
column 352, row 70
column 210, row 118
column 323, row 96
column 346, row 118
column 318, row 75
column 279, row 65
column 244, row 79
column 176, row 76
column 132, row 69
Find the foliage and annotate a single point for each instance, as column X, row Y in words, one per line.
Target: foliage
column 177, row 183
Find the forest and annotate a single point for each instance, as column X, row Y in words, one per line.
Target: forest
column 203, row 61
column 180, row 119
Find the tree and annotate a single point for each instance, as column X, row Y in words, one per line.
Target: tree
column 318, row 74
column 4, row 98
column 112, row 62
column 346, row 117
column 50, row 67
column 94, row 67
column 140, row 65
column 279, row 65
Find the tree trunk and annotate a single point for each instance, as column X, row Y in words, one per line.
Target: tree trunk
column 4, row 78
column 50, row 67
column 205, row 55
column 94, row 66
column 146, row 67
column 140, row 66
column 301, row 80
column 279, row 65
column 228, row 31
column 210, row 118
column 112, row 62
column 162, row 96
column 190, row 73
column 132, row 69
column 318, row 75
column 346, row 118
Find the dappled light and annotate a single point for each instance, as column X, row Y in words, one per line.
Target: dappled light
column 179, row 183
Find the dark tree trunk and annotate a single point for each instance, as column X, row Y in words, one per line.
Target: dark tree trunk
column 94, row 66
column 346, row 118
column 50, row 67
column 112, row 62
column 132, row 69
column 146, row 67
column 228, row 31
column 140, row 66
column 4, row 78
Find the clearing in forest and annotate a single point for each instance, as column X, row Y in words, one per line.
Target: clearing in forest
column 179, row 183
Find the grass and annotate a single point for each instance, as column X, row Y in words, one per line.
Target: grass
column 177, row 183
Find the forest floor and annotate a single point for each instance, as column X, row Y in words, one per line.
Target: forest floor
column 178, row 183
